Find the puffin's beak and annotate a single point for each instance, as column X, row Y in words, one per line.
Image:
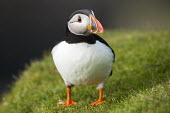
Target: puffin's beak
column 95, row 26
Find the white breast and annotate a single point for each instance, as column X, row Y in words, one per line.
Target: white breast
column 82, row 63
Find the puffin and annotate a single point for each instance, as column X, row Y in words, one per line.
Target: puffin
column 83, row 58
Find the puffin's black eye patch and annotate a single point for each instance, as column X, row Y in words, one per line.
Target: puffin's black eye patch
column 79, row 19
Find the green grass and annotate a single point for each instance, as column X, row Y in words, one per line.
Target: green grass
column 140, row 82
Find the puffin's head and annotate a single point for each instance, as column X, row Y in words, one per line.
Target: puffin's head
column 83, row 22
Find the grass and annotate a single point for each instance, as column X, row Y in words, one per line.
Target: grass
column 140, row 82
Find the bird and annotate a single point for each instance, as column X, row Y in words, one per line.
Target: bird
column 83, row 58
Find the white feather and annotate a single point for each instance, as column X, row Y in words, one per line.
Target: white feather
column 82, row 63
column 78, row 28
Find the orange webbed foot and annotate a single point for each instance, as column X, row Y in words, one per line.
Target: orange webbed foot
column 69, row 103
column 97, row 103
column 100, row 100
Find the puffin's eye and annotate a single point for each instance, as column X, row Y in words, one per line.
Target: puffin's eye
column 79, row 19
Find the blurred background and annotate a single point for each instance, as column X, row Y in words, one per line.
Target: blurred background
column 29, row 27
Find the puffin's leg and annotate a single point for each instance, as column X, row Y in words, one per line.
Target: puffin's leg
column 69, row 102
column 100, row 100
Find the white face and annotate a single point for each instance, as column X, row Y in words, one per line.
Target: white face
column 78, row 24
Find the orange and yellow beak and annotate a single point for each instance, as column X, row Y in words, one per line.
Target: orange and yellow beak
column 95, row 26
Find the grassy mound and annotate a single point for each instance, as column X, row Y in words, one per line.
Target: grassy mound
column 140, row 82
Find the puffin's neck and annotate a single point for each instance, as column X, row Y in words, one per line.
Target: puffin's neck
column 72, row 38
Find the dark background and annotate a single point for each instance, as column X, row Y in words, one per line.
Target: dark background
column 29, row 27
